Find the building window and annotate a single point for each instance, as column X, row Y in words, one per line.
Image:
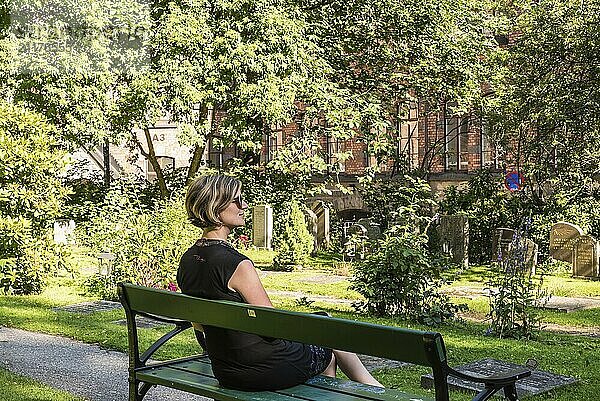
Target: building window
column 273, row 140
column 215, row 152
column 334, row 148
column 165, row 162
column 456, row 141
column 408, row 129
column 489, row 157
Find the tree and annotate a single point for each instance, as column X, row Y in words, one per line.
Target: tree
column 544, row 108
column 338, row 69
column 64, row 59
column 388, row 54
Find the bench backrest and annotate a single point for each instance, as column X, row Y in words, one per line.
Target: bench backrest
column 413, row 346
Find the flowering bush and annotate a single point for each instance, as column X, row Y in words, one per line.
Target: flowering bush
column 516, row 294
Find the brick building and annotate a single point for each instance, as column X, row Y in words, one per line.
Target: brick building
column 446, row 147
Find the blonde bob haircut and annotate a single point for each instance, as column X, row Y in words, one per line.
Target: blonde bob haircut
column 208, row 196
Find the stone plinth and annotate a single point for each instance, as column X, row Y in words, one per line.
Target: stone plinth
column 538, row 383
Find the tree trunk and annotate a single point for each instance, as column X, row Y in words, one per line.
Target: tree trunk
column 106, row 161
column 196, row 161
column 151, row 156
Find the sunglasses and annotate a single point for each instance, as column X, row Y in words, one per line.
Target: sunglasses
column 239, row 201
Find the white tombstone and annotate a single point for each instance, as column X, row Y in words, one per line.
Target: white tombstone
column 63, row 231
column 311, row 222
column 322, row 213
column 262, row 226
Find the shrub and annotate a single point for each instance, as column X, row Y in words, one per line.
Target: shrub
column 30, row 199
column 406, row 201
column 403, row 279
column 147, row 242
column 295, row 243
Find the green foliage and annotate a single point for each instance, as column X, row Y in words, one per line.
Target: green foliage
column 30, row 198
column 544, row 107
column 147, row 241
column 406, row 201
column 294, row 243
column 489, row 206
column 272, row 187
column 402, row 278
column 515, row 294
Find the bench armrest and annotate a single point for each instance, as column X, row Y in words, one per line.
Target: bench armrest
column 180, row 326
column 497, row 380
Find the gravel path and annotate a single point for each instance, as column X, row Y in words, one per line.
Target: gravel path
column 88, row 371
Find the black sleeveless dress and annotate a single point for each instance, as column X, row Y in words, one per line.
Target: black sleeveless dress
column 239, row 360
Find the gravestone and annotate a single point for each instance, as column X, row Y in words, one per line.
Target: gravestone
column 531, row 255
column 311, row 223
column 562, row 239
column 354, row 246
column 373, row 229
column 454, row 238
column 63, row 231
column 501, row 242
column 262, row 226
column 322, row 212
column 538, row 383
column 585, row 257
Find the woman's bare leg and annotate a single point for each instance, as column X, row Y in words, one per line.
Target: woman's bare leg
column 354, row 368
column 331, row 368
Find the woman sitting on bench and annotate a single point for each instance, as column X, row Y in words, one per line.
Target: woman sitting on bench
column 213, row 269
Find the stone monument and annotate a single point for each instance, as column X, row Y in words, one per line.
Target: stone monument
column 454, row 238
column 262, row 226
column 312, row 225
column 322, row 212
column 585, row 257
column 354, row 246
column 562, row 239
column 531, row 255
column 501, row 242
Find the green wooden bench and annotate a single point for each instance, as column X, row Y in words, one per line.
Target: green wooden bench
column 193, row 374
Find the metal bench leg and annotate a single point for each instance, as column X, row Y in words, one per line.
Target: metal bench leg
column 144, row 389
column 485, row 394
column 510, row 392
column 137, row 392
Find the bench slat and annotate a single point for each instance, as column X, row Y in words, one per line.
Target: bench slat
column 388, row 394
column 363, row 338
column 315, row 389
column 204, row 385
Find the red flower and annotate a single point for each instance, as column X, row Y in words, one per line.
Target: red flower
column 172, row 287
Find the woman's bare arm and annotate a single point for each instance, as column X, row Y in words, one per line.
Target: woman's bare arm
column 246, row 282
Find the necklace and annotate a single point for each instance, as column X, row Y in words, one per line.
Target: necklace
column 213, row 241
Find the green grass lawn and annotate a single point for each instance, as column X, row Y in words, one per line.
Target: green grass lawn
column 565, row 354
column 19, row 388
column 307, row 281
